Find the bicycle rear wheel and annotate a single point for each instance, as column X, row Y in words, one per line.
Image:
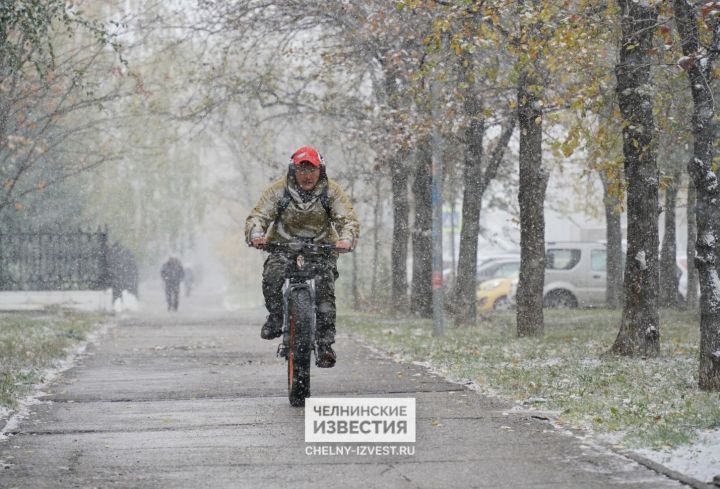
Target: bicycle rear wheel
column 299, row 347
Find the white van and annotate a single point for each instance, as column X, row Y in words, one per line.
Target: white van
column 575, row 273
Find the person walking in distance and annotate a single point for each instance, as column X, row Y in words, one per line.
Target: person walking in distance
column 172, row 274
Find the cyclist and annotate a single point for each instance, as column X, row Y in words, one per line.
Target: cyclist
column 305, row 204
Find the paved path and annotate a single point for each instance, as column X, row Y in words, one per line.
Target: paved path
column 199, row 401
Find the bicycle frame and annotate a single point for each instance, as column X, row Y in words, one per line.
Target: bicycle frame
column 298, row 345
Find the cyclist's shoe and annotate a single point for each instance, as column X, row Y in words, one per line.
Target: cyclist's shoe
column 272, row 327
column 325, row 356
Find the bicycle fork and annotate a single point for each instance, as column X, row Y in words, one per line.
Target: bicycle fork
column 288, row 289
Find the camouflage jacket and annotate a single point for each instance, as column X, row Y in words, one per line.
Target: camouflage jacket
column 303, row 219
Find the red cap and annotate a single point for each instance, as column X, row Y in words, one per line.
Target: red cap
column 306, row 153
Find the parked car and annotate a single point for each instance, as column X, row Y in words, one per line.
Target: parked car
column 484, row 259
column 494, row 277
column 575, row 274
column 512, row 292
column 491, row 266
column 498, row 267
column 493, row 294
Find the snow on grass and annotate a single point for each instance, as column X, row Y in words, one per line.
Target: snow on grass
column 50, row 344
column 32, row 346
column 653, row 404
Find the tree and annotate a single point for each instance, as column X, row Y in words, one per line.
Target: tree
column 613, row 236
column 533, row 178
column 691, row 298
column 639, row 333
column 698, row 64
column 421, row 291
column 49, row 56
column 668, row 250
column 673, row 139
column 478, row 172
column 400, row 202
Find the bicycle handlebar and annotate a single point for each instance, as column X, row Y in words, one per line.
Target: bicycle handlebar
column 298, row 246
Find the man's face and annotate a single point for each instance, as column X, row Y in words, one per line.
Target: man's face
column 307, row 176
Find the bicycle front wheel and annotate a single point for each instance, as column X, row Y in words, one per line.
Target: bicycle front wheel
column 299, row 347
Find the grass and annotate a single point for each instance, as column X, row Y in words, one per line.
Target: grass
column 651, row 403
column 33, row 342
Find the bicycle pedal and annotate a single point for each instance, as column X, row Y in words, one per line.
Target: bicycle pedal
column 282, row 351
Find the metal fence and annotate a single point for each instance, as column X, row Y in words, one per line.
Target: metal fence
column 54, row 261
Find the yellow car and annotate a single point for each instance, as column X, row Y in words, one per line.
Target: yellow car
column 493, row 294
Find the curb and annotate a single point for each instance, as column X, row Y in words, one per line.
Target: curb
column 661, row 469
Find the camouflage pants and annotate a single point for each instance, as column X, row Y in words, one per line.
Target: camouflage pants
column 274, row 278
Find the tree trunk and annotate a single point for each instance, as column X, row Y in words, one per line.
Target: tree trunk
column 453, row 206
column 531, row 197
column 668, row 252
column 691, row 294
column 477, row 176
column 421, row 290
column 398, row 253
column 639, row 333
column 377, row 222
column 399, row 179
column 701, row 170
column 613, row 235
column 466, row 283
column 463, row 296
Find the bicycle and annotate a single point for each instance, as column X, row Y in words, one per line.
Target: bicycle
column 299, row 312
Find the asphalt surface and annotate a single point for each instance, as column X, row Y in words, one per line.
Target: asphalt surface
column 198, row 400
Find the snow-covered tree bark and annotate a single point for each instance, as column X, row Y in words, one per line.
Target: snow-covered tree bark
column 668, row 262
column 421, row 289
column 531, row 197
column 698, row 64
column 639, row 333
